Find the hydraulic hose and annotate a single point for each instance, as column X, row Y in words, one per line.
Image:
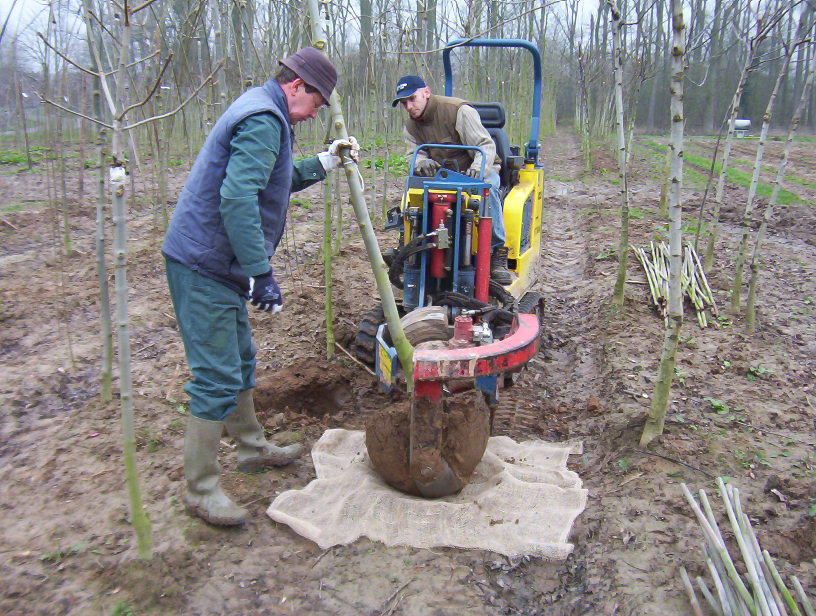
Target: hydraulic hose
column 405, row 252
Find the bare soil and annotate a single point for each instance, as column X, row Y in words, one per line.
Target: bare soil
column 742, row 407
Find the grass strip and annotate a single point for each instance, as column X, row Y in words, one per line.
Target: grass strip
column 743, row 178
column 732, row 174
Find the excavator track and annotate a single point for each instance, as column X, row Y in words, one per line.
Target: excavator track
column 365, row 342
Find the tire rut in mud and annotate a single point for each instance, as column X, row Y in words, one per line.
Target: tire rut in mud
column 555, row 389
column 564, row 376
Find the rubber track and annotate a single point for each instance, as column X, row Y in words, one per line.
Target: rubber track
column 365, row 342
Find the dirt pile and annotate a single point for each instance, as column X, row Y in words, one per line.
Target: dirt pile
column 309, row 387
column 464, row 425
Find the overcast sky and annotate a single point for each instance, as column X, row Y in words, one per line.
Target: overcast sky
column 24, row 11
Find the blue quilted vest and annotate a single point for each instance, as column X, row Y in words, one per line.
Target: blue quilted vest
column 196, row 236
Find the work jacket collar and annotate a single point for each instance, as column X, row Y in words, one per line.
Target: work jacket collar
column 429, row 114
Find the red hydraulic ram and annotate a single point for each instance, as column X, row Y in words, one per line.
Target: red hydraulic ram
column 483, row 258
column 440, row 204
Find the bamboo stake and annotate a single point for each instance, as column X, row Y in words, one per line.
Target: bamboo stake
column 765, row 593
column 695, row 605
column 749, row 563
column 719, row 549
column 803, row 597
column 756, row 556
column 693, row 280
column 780, row 584
column 708, row 596
column 725, row 601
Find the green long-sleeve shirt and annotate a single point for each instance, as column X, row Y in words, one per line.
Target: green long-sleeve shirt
column 254, row 149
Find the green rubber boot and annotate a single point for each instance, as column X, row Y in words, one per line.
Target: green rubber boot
column 255, row 453
column 204, row 497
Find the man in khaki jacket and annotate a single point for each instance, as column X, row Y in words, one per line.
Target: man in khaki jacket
column 444, row 119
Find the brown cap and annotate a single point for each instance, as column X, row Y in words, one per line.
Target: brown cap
column 313, row 68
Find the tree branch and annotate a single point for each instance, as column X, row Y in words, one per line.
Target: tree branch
column 101, row 25
column 8, row 17
column 152, row 90
column 102, row 81
column 145, row 59
column 483, row 32
column 76, row 113
column 177, row 109
column 66, row 58
column 144, row 5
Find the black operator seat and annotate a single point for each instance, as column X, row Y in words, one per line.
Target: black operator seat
column 493, row 118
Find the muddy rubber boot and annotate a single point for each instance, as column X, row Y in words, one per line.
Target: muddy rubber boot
column 498, row 266
column 204, row 497
column 255, row 453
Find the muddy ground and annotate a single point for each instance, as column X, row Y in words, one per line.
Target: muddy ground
column 742, row 407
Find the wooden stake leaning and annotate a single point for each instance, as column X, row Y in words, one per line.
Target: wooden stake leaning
column 760, row 591
column 655, row 263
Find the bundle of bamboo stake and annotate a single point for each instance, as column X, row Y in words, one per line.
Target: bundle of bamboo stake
column 761, row 590
column 692, row 279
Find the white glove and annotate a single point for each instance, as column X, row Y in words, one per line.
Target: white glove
column 331, row 158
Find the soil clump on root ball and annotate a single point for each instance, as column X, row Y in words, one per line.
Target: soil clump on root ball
column 465, row 427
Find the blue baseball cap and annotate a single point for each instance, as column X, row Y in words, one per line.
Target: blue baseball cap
column 406, row 86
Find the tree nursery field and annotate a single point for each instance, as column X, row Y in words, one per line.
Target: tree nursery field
column 742, row 408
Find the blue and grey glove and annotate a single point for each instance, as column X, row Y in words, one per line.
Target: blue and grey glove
column 264, row 293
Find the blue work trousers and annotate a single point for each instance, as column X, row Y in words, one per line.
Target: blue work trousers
column 214, row 327
column 494, row 208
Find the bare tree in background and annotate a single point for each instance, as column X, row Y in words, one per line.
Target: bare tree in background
column 750, row 316
column 790, row 47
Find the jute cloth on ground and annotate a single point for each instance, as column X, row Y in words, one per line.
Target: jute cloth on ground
column 522, row 501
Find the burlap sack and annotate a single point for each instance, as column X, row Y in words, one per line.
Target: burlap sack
column 521, row 501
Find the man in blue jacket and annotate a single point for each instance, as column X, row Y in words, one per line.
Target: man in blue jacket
column 228, row 222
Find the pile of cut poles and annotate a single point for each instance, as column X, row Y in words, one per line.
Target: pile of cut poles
column 693, row 280
column 760, row 591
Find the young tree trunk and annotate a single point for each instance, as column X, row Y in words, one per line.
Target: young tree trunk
column 664, row 186
column 338, row 214
column 736, row 287
column 623, row 246
column 657, row 28
column 750, row 316
column 714, row 59
column 106, row 333
column 20, row 100
column 105, row 327
column 583, row 113
column 404, row 349
column 708, row 258
column 141, row 523
column 116, row 100
column 660, row 399
column 762, row 25
column 327, row 266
